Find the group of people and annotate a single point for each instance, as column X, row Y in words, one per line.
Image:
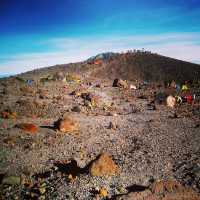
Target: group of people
column 183, row 93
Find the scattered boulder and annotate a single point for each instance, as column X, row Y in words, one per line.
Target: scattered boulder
column 171, row 189
column 66, row 125
column 163, row 190
column 171, row 101
column 161, row 187
column 133, row 87
column 112, row 126
column 98, row 85
column 76, row 109
column 28, row 127
column 104, row 166
column 120, row 83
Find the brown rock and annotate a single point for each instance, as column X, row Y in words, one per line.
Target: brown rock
column 66, row 125
column 120, row 83
column 112, row 126
column 164, row 190
column 172, row 190
column 76, row 109
column 104, row 166
column 98, row 85
column 31, row 128
column 161, row 187
column 185, row 195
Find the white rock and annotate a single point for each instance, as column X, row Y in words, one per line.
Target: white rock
column 133, row 87
column 171, row 101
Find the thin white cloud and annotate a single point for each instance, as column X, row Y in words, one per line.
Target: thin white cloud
column 184, row 51
column 183, row 46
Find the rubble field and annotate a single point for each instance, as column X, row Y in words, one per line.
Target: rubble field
column 85, row 138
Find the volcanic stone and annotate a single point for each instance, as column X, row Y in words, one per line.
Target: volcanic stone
column 104, row 166
column 28, row 127
column 67, row 125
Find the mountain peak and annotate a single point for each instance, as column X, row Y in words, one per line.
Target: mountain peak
column 102, row 56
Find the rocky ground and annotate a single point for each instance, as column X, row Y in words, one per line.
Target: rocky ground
column 144, row 141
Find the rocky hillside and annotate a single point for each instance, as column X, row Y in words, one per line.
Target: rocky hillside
column 137, row 65
column 150, row 67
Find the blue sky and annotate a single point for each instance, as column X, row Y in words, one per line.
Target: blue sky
column 38, row 33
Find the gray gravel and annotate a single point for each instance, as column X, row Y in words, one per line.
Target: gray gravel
column 147, row 145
